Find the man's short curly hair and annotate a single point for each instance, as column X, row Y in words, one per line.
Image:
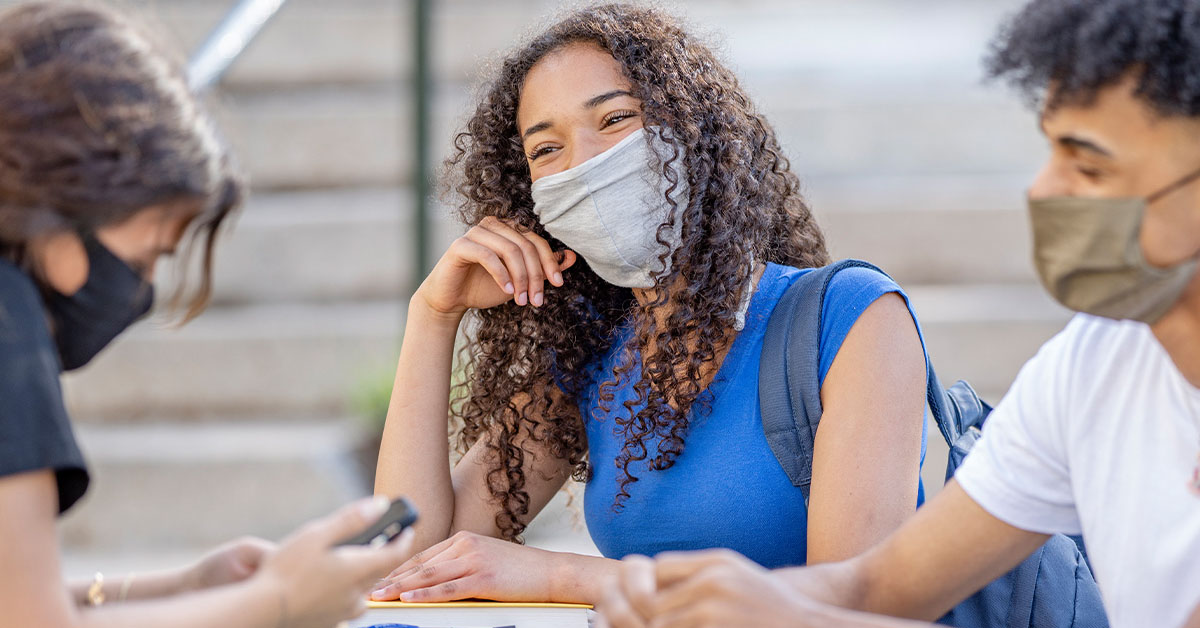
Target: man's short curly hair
column 1062, row 52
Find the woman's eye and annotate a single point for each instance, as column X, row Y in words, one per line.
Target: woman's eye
column 1089, row 173
column 539, row 151
column 614, row 118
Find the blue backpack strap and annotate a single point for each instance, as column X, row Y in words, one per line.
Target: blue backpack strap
column 789, row 388
column 787, row 396
column 789, row 382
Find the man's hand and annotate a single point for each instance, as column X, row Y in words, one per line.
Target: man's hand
column 700, row 589
column 719, row 588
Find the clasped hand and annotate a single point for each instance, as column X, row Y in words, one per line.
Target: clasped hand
column 469, row 565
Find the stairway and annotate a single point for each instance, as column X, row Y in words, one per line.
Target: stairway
column 243, row 421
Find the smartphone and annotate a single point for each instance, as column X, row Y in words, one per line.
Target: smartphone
column 400, row 515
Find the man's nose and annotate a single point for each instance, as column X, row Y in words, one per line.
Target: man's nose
column 1049, row 182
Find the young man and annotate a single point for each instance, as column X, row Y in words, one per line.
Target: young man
column 1100, row 433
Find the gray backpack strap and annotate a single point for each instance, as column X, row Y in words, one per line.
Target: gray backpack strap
column 789, row 381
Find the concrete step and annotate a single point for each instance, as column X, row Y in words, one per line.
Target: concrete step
column 271, row 360
column 357, row 243
column 984, row 333
column 177, row 485
column 320, row 99
column 322, row 245
column 924, row 247
column 185, row 485
column 314, row 40
column 320, row 136
column 320, row 41
column 916, row 138
column 892, row 41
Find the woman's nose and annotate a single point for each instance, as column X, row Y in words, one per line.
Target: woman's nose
column 584, row 146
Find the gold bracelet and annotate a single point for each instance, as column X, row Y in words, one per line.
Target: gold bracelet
column 126, row 584
column 95, row 593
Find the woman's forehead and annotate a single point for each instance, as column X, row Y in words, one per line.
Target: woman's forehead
column 566, row 78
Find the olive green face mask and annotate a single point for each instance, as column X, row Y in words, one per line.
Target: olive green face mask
column 1088, row 256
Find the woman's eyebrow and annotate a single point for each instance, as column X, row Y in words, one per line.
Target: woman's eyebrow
column 537, row 128
column 596, row 101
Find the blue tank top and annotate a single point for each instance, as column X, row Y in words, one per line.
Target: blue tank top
column 726, row 489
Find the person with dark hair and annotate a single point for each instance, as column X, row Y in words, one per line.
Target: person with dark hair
column 107, row 163
column 1100, row 433
column 633, row 223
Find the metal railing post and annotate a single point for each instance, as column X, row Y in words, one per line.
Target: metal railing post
column 228, row 40
column 421, row 175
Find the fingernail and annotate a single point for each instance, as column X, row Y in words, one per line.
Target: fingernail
column 508, row 287
column 538, row 299
column 558, row 278
column 522, row 298
column 374, row 507
column 406, row 597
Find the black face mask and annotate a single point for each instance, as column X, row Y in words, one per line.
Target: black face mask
column 113, row 298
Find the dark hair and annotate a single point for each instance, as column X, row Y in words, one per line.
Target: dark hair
column 1078, row 47
column 744, row 205
column 97, row 124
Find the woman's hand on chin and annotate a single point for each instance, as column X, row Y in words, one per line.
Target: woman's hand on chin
column 469, row 565
column 491, row 264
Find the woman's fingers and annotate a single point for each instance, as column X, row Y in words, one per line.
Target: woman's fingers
column 514, row 260
column 433, row 555
column 427, row 576
column 546, row 256
column 472, row 251
column 535, row 265
column 468, row 585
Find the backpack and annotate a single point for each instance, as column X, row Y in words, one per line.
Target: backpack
column 1052, row 588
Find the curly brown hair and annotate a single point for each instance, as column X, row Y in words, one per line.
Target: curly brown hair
column 744, row 205
column 97, row 123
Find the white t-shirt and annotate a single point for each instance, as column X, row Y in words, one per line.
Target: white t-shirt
column 1100, row 434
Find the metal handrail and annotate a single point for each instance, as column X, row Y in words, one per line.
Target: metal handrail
column 228, row 40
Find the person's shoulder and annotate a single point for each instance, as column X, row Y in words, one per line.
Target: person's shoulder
column 1095, row 340
column 850, row 280
column 853, row 289
column 862, row 280
column 21, row 317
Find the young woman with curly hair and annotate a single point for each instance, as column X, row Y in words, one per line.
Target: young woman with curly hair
column 633, row 222
column 107, row 163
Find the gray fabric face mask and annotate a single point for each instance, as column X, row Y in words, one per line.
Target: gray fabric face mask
column 1089, row 257
column 609, row 208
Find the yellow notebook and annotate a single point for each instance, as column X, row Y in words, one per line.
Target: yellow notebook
column 475, row 614
column 474, row 604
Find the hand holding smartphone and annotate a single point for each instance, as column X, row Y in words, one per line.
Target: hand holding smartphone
column 399, row 516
